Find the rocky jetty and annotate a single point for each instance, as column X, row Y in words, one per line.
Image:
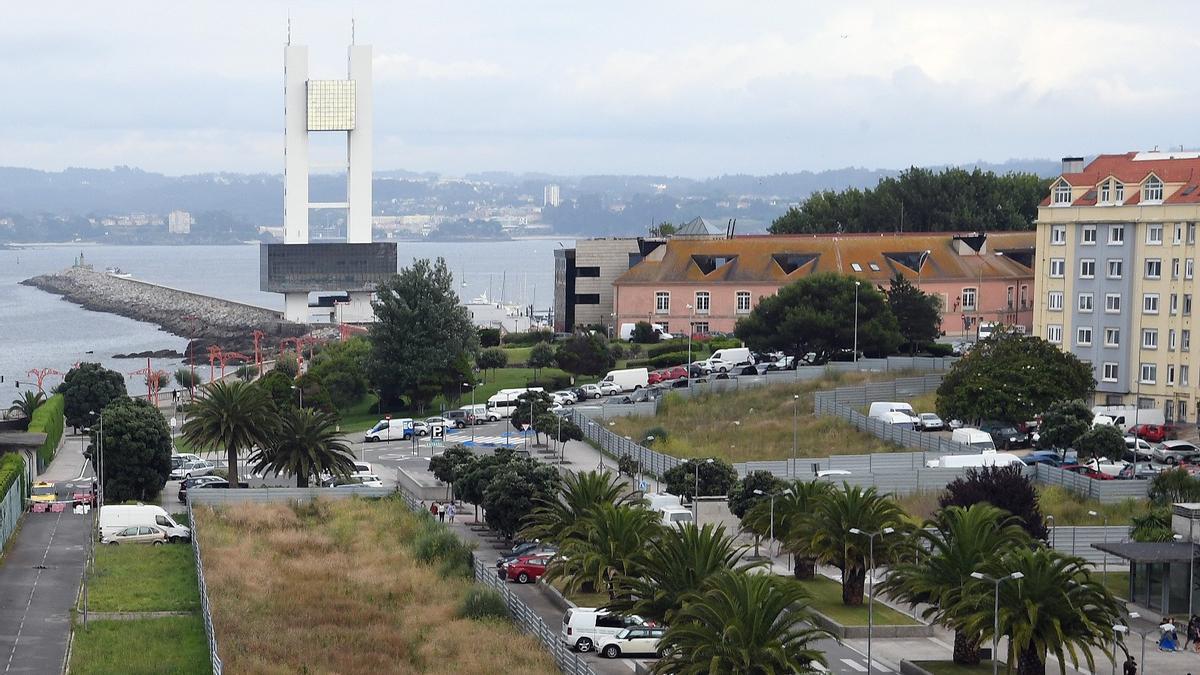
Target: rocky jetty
column 202, row 319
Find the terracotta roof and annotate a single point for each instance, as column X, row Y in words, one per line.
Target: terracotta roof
column 784, row 258
column 1180, row 169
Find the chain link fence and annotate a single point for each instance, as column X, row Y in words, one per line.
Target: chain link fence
column 209, row 633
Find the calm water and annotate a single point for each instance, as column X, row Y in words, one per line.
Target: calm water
column 40, row 330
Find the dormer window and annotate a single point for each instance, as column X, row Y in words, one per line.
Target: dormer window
column 1152, row 190
column 1105, row 192
column 1118, row 192
column 1062, row 193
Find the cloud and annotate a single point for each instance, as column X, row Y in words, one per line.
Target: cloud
column 400, row 66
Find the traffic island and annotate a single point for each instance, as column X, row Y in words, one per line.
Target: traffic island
column 851, row 621
column 947, row 668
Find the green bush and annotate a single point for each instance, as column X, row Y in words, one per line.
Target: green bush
column 939, row 349
column 672, row 359
column 435, row 544
column 12, row 468
column 673, row 346
column 528, row 339
column 639, row 363
column 724, row 343
column 550, row 382
column 482, row 604
column 48, row 419
column 489, row 337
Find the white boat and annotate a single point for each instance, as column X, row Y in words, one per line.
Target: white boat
column 116, row 272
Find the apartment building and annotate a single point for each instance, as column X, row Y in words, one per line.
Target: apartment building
column 584, row 275
column 1116, row 256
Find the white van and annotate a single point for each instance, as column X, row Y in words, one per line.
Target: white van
column 478, row 410
column 626, row 332
column 1125, row 416
column 992, row 458
column 901, row 420
column 879, row 408
column 502, row 403
column 674, row 515
column 115, row 518
column 583, row 627
column 724, row 360
column 975, row 438
column 629, row 379
column 396, row 429
column 986, row 328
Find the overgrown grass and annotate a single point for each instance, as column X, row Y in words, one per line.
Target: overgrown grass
column 1067, row 507
column 756, row 423
column 952, row 668
column 331, row 587
column 827, row 599
column 144, row 579
column 168, row 645
column 580, row 598
column 1117, row 583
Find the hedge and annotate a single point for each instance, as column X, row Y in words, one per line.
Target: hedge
column 939, row 349
column 528, row 339
column 551, row 383
column 48, row 419
column 676, row 346
column 12, row 467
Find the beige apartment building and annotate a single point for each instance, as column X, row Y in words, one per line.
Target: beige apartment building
column 1116, row 278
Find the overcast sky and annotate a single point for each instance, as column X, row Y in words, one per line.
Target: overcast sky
column 680, row 88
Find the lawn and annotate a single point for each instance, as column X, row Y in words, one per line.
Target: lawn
column 144, row 579
column 580, row 598
column 1067, row 507
column 755, row 423
column 168, row 645
column 827, row 599
column 1117, row 583
column 330, row 587
column 952, row 668
column 518, row 356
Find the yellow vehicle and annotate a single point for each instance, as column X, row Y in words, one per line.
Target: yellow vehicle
column 44, row 492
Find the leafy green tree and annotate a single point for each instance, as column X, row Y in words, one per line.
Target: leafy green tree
column 679, row 563
column 420, row 332
column 584, row 354
column 918, row 314
column 558, row 428
column 278, row 386
column 716, row 478
column 743, row 624
column 1173, row 485
column 137, row 451
column 474, row 477
column 287, row 364
column 1005, row 487
column 186, row 379
column 792, row 507
column 1057, row 608
column 644, row 333
column 1013, row 378
column 830, row 541
column 245, row 373
column 27, row 403
column 558, row 517
column 614, row 544
column 514, row 490
column 541, row 356
column 230, row 416
column 742, row 498
column 531, row 406
column 1063, row 423
column 452, row 464
column 816, row 314
column 306, row 444
column 312, row 392
column 87, row 389
column 491, row 359
column 342, row 366
column 489, row 337
column 1101, row 441
column 952, row 545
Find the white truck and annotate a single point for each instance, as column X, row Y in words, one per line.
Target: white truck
column 976, row 438
column 628, row 379
column 725, row 360
column 502, row 404
column 992, row 458
column 1125, row 416
column 880, row 408
column 117, row 517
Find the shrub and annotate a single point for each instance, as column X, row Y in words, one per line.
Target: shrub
column 724, row 343
column 617, row 350
column 639, row 363
column 628, row 466
column 1173, row 485
column 489, row 337
column 482, row 604
column 48, row 419
column 644, row 333
column 550, row 382
column 672, row 359
column 528, row 339
column 286, row 363
column 1005, row 487
column 659, row 433
column 435, row 544
column 12, row 468
column 939, row 349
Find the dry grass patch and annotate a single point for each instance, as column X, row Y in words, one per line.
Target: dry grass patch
column 756, row 423
column 333, row 588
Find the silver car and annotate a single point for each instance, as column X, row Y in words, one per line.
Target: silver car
column 929, row 422
column 1176, row 452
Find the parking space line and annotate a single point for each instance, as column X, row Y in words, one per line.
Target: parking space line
column 855, row 665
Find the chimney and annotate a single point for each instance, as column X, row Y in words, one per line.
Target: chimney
column 1072, row 164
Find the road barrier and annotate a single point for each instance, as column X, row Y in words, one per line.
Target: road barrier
column 209, row 633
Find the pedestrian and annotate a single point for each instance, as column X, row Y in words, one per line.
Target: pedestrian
column 442, row 512
column 1130, row 666
column 451, row 512
column 433, row 509
column 1193, row 632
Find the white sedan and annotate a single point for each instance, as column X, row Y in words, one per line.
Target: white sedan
column 359, row 480
column 137, row 534
column 610, row 388
column 200, row 467
column 930, row 422
column 641, row 640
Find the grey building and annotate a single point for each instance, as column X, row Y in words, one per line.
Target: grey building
column 584, row 276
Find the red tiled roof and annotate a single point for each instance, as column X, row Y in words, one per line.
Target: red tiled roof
column 1182, row 172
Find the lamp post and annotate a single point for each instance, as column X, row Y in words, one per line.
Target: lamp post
column 1051, row 519
column 795, row 431
column 301, row 390
column 1191, row 570
column 856, row 285
column 771, row 536
column 1104, row 569
column 1118, row 629
column 920, row 265
column 1143, row 635
column 472, row 419
column 696, row 494
column 691, row 316
column 870, row 571
column 996, row 610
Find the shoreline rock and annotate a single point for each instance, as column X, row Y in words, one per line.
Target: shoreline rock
column 156, row 354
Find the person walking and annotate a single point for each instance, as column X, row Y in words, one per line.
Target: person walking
column 1130, row 667
column 1193, row 632
column 442, row 512
column 433, row 509
column 451, row 512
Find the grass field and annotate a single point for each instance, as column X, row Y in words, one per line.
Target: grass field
column 517, row 356
column 827, row 599
column 1117, row 583
column 1067, row 507
column 755, row 423
column 952, row 668
column 329, row 588
column 168, row 645
column 144, row 579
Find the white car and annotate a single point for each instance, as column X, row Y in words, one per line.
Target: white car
column 359, row 480
column 439, row 421
column 420, row 428
column 565, row 397
column 929, row 422
column 200, row 467
column 640, row 640
column 137, row 534
column 592, row 390
column 610, row 389
column 701, row 366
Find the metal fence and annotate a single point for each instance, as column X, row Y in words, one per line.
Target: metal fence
column 1078, row 540
column 653, row 463
column 263, row 495
column 204, row 609
column 1106, row 491
column 11, row 508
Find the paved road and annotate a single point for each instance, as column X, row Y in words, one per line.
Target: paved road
column 39, row 581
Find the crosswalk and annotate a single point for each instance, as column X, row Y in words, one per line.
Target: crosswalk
column 862, row 667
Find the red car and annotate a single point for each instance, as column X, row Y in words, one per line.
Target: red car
column 676, row 373
column 655, row 377
column 525, row 569
column 1087, row 471
column 1155, row 433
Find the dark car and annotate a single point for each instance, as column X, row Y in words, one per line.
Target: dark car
column 1005, row 436
column 1048, row 457
column 196, row 481
column 460, row 418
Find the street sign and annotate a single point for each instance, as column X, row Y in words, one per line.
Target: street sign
column 437, row 432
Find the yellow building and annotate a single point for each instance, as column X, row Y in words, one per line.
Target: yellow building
column 1115, row 275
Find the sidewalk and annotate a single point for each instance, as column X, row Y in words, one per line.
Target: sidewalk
column 69, row 463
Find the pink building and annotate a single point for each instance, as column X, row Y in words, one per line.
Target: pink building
column 713, row 283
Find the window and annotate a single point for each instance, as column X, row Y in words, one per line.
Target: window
column 1105, row 193
column 1149, row 338
column 968, row 298
column 1183, row 376
column 699, row 328
column 1085, row 302
column 743, row 302
column 1152, row 191
column 1149, row 373
column 662, row 302
column 1054, row 301
column 1112, row 303
column 1150, row 303
column 1154, row 233
column 873, row 266
column 1058, row 267
column 1174, row 303
column 1189, row 268
column 1174, row 268
column 1119, row 192
column 856, row 267
column 1153, row 268
column 1178, row 234
column 1170, row 383
column 1083, row 336
column 1187, row 304
column 1112, row 337
column 1058, row 235
column 587, row 298
column 1111, row 371
column 1116, row 234
column 593, row 271
column 1089, row 234
column 1185, row 340
column 1171, row 340
column 1191, row 233
column 1054, row 333
column 702, row 302
column 1115, row 268
column 1062, row 193
column 1087, row 269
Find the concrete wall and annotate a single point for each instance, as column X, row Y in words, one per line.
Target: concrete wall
column 612, row 257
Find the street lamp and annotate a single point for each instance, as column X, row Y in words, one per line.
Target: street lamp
column 856, row 285
column 1118, row 629
column 1143, row 634
column 1051, row 519
column 1191, row 571
column 301, row 390
column 772, row 496
column 696, row 494
column 921, row 265
column 795, row 430
column 691, row 318
column 870, row 598
column 1104, row 572
column 996, row 610
column 472, row 419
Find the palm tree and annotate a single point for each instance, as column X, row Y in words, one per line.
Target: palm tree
column 614, row 543
column 825, row 534
column 306, row 444
column 1057, row 608
column 232, row 416
column 742, row 624
column 557, row 519
column 678, row 563
column 959, row 541
column 28, row 402
column 791, row 506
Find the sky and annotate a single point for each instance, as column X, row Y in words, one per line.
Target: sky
column 675, row 88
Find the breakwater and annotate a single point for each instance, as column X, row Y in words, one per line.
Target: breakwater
column 202, row 319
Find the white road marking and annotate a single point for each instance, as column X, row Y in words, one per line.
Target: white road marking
column 941, row 643
column 855, row 665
